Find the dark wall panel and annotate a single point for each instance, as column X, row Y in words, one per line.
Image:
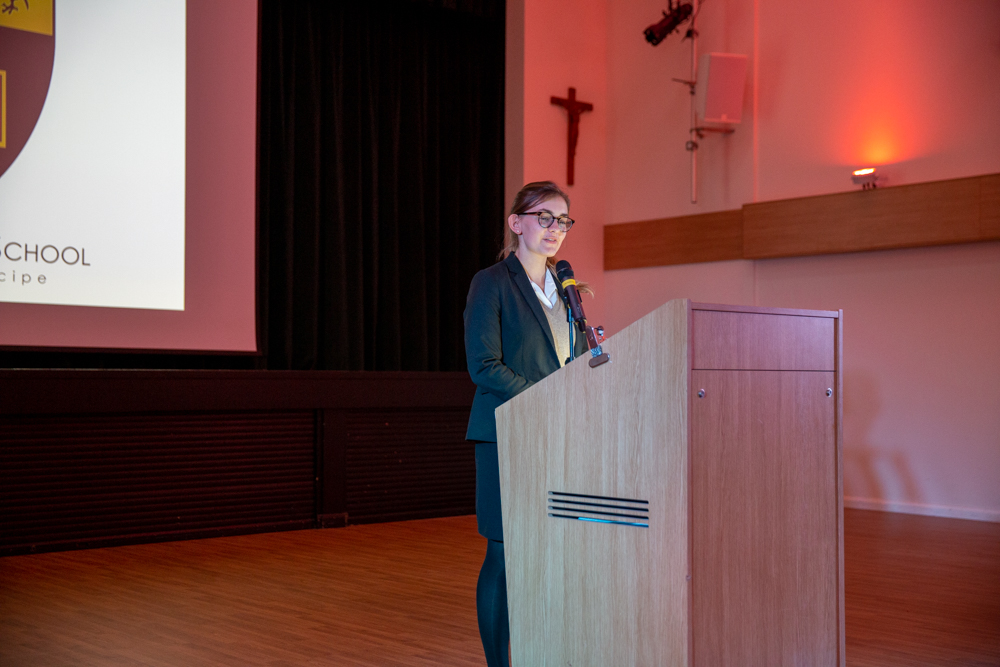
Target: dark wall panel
column 74, row 480
column 96, row 458
column 407, row 464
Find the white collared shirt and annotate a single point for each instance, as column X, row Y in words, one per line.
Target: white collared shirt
column 550, row 296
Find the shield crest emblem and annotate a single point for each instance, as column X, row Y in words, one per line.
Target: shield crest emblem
column 27, row 51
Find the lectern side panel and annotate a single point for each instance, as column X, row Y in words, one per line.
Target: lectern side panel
column 593, row 473
column 757, row 341
column 764, row 519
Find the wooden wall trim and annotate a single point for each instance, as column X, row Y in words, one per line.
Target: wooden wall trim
column 989, row 212
column 708, row 237
column 962, row 210
column 923, row 214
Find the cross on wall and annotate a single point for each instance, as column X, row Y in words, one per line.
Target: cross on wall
column 574, row 108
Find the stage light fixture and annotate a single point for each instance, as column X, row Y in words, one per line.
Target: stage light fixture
column 672, row 19
column 866, row 178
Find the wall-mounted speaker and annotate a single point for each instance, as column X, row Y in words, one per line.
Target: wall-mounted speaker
column 719, row 90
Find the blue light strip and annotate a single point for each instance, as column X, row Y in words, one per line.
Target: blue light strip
column 586, row 511
column 583, row 518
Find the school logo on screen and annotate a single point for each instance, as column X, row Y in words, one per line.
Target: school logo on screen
column 27, row 50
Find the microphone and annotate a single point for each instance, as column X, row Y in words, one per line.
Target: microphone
column 564, row 272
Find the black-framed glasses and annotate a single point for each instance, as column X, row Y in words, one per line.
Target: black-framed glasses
column 545, row 219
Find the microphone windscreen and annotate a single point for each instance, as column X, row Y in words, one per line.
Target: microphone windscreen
column 563, row 270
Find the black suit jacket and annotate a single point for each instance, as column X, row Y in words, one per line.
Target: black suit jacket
column 508, row 342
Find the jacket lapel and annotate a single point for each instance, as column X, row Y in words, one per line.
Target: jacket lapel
column 528, row 292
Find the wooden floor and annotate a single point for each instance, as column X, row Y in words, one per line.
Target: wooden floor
column 920, row 591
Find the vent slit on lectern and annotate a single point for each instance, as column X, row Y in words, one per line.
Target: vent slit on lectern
column 599, row 509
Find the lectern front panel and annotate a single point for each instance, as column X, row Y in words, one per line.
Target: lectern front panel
column 764, row 519
column 594, row 483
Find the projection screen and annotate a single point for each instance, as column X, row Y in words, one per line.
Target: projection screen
column 127, row 174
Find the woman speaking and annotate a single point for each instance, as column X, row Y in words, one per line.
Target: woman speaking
column 516, row 333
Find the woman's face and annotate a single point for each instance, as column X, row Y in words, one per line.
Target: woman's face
column 537, row 239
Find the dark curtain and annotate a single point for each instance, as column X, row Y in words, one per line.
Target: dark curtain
column 380, row 189
column 381, row 179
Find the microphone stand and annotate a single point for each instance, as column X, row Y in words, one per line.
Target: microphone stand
column 572, row 331
column 594, row 337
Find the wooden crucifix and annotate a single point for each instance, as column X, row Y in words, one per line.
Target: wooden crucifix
column 574, row 108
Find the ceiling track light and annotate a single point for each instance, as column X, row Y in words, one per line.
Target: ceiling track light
column 670, row 22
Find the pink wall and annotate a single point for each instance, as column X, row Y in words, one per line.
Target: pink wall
column 564, row 45
column 905, row 86
column 921, row 369
column 910, row 87
column 648, row 167
column 921, row 361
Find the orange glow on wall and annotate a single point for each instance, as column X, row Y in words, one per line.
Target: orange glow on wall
column 879, row 150
column 881, row 128
column 888, row 106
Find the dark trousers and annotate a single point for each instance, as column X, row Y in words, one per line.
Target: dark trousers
column 491, row 590
column 491, row 606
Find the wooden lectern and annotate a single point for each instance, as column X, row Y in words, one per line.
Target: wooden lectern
column 683, row 504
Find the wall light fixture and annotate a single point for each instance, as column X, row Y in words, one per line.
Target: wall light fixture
column 866, row 178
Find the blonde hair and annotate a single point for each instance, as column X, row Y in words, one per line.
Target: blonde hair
column 528, row 197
